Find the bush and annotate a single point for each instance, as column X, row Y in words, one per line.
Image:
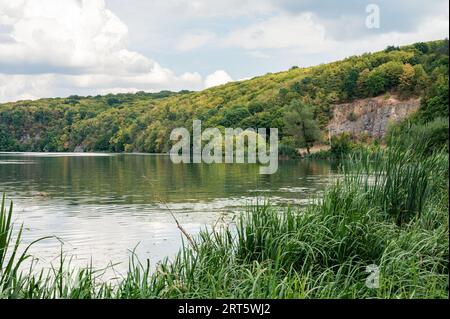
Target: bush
column 288, row 151
column 388, row 209
column 341, row 145
column 435, row 104
column 430, row 137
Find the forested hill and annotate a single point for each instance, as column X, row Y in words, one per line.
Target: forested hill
column 142, row 122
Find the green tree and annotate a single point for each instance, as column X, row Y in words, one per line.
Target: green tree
column 375, row 84
column 435, row 104
column 422, row 47
column 362, row 89
column 233, row 116
column 421, row 79
column 407, row 79
column 391, row 48
column 350, row 83
column 299, row 122
column 391, row 72
column 7, row 141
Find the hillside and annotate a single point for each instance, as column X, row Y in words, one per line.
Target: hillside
column 371, row 116
column 142, row 122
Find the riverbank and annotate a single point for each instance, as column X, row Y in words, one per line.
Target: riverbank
column 381, row 231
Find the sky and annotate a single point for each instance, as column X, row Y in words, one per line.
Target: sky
column 52, row 48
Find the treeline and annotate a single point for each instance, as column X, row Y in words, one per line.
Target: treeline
column 142, row 122
column 429, row 127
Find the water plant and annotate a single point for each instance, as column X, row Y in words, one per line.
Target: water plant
column 386, row 214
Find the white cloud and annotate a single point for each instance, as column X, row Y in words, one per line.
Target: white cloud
column 305, row 34
column 67, row 34
column 22, row 87
column 280, row 32
column 209, row 8
column 65, row 47
column 217, row 78
column 258, row 54
column 432, row 29
column 194, row 40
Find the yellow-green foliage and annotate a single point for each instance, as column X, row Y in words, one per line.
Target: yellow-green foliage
column 143, row 121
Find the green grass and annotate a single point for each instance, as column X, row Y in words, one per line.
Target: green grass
column 389, row 209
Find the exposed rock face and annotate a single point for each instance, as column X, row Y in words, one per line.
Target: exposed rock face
column 372, row 115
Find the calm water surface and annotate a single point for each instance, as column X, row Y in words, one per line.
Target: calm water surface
column 101, row 206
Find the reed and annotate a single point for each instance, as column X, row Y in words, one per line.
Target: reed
column 388, row 208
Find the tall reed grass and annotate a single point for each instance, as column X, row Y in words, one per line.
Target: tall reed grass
column 389, row 210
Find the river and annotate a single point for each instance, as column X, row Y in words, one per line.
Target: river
column 100, row 206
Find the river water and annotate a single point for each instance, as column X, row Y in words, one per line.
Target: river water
column 99, row 207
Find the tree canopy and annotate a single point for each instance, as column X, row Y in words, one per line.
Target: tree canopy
column 142, row 121
column 300, row 124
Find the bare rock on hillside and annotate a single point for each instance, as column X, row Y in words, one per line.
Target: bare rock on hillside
column 371, row 116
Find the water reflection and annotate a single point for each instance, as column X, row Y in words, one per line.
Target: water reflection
column 102, row 205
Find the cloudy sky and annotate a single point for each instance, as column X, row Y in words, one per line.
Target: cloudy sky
column 62, row 47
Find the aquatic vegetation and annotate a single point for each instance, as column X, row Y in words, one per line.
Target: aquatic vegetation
column 381, row 231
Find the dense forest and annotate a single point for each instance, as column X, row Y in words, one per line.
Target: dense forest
column 142, row 122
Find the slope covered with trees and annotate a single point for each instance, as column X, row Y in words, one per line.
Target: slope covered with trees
column 142, row 122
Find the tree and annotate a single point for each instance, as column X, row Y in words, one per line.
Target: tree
column 7, row 141
column 407, row 79
column 233, row 116
column 350, row 83
column 299, row 122
column 391, row 48
column 422, row 47
column 255, row 107
column 435, row 104
column 142, row 121
column 391, row 72
column 375, row 84
column 362, row 90
column 421, row 78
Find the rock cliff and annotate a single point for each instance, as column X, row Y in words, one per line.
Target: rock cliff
column 371, row 116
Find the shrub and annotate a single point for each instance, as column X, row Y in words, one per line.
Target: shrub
column 341, row 145
column 288, row 151
column 430, row 137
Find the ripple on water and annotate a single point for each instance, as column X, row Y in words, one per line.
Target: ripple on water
column 99, row 206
